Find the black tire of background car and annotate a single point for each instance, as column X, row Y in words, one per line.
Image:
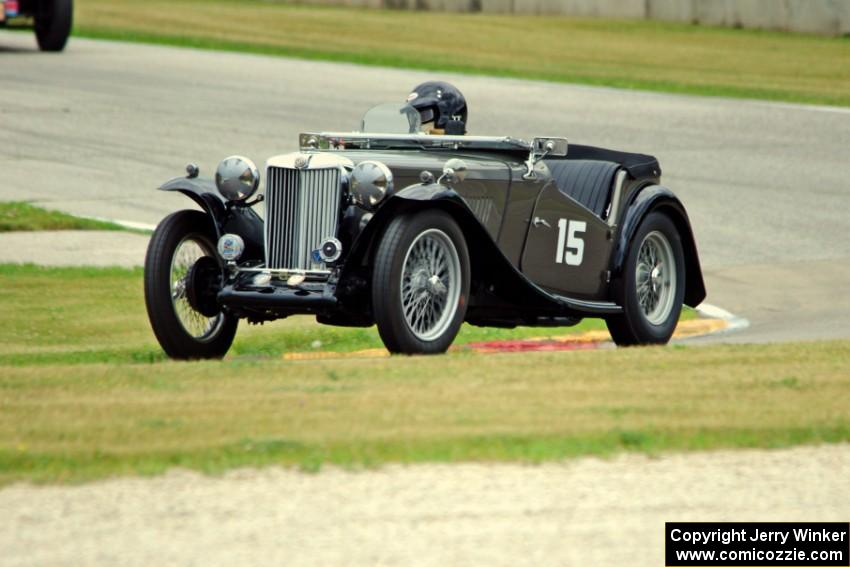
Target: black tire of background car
column 173, row 338
column 386, row 282
column 632, row 327
column 53, row 22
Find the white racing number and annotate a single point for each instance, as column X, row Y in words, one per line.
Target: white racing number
column 570, row 246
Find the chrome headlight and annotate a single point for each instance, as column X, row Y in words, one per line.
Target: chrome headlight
column 370, row 182
column 237, row 178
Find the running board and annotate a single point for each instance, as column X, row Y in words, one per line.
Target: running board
column 583, row 306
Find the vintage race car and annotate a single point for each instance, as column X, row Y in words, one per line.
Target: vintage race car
column 419, row 233
column 51, row 19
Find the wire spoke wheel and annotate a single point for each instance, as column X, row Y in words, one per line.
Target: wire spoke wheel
column 420, row 282
column 655, row 277
column 651, row 289
column 182, row 280
column 198, row 326
column 430, row 284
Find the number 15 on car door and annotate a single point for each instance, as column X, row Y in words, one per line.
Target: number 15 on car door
column 570, row 248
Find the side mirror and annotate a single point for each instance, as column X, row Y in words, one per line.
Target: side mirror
column 550, row 147
column 454, row 171
column 541, row 148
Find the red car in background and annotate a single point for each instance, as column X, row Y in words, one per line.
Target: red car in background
column 51, row 20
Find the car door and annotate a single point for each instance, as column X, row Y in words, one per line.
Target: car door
column 568, row 247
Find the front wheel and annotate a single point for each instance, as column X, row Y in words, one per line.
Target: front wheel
column 182, row 277
column 652, row 286
column 420, row 283
column 53, row 21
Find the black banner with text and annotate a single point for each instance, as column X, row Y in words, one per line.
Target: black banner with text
column 744, row 544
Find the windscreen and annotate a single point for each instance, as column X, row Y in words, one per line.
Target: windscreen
column 392, row 118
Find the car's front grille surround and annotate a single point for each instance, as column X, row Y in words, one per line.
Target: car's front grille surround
column 302, row 210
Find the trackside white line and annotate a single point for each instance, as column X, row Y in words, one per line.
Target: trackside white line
column 734, row 322
column 805, row 107
column 126, row 224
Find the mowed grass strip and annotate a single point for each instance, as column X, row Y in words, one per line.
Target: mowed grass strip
column 633, row 54
column 22, row 216
column 85, row 394
column 90, row 315
column 81, row 422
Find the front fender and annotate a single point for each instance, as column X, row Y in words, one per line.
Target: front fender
column 397, row 203
column 203, row 191
column 429, row 192
column 657, row 198
column 225, row 218
column 493, row 276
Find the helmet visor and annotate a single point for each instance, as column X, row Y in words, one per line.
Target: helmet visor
column 427, row 115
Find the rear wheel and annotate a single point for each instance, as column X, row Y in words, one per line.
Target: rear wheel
column 420, row 283
column 182, row 277
column 652, row 287
column 53, row 21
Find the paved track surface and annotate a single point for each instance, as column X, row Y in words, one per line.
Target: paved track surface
column 464, row 515
column 94, row 130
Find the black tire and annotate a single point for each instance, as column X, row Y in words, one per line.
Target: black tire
column 635, row 326
column 425, row 228
column 192, row 228
column 53, row 21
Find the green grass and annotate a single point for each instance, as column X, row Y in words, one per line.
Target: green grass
column 632, row 54
column 85, row 394
column 81, row 422
column 18, row 215
column 97, row 315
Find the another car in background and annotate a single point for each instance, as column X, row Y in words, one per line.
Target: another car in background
column 51, row 19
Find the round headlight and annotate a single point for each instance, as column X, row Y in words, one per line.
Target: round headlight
column 237, row 178
column 370, row 182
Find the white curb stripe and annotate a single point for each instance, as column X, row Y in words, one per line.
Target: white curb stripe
column 734, row 322
column 126, row 224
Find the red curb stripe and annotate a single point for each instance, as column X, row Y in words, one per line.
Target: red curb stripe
column 530, row 346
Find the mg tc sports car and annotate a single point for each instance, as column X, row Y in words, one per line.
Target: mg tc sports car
column 418, row 233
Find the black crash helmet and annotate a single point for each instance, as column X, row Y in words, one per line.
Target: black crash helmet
column 442, row 103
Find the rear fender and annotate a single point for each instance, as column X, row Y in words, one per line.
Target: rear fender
column 657, row 198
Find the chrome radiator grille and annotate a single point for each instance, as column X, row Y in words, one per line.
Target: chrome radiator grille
column 302, row 208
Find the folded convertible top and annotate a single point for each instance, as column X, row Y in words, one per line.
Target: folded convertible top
column 638, row 165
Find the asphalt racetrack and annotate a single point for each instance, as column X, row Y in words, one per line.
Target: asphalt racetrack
column 96, row 129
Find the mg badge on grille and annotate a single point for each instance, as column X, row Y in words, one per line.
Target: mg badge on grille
column 301, row 162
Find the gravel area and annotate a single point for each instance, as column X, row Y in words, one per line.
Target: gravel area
column 583, row 512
